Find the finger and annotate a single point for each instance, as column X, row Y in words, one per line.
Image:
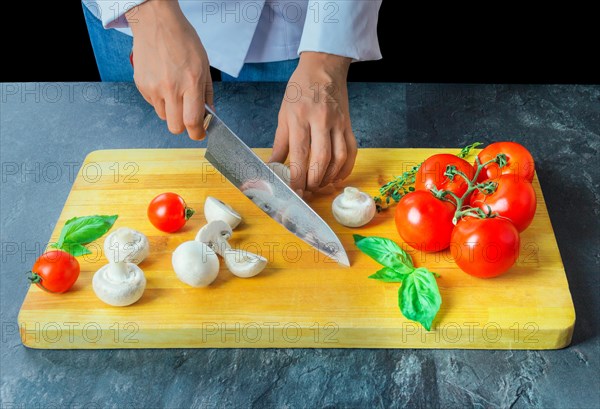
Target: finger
column 193, row 115
column 209, row 94
column 320, row 156
column 159, row 107
column 280, row 144
column 351, row 151
column 144, row 95
column 174, row 110
column 339, row 155
column 299, row 155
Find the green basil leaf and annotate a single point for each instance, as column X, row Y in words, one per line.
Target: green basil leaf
column 75, row 249
column 85, row 229
column 384, row 251
column 389, row 275
column 419, row 297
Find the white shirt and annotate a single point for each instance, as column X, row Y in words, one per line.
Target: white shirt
column 238, row 31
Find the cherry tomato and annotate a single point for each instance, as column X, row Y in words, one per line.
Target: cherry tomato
column 168, row 212
column 55, row 271
column 514, row 199
column 431, row 174
column 519, row 161
column 425, row 222
column 485, row 247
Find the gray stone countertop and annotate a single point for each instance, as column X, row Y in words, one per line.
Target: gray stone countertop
column 48, row 126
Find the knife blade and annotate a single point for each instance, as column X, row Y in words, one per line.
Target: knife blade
column 246, row 171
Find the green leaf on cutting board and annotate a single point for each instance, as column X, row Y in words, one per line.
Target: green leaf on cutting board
column 419, row 297
column 384, row 251
column 83, row 230
column 75, row 249
column 389, row 275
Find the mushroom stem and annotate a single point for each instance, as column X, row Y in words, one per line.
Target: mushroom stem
column 352, row 193
column 118, row 272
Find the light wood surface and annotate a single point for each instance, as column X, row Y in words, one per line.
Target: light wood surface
column 301, row 299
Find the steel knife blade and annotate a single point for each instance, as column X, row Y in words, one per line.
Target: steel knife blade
column 246, row 171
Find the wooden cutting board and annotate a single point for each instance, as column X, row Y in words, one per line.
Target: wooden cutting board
column 302, row 299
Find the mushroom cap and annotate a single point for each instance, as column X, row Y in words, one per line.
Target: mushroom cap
column 119, row 293
column 243, row 263
column 128, row 245
column 282, row 171
column 215, row 234
column 353, row 208
column 214, row 209
column 195, row 263
column 257, row 184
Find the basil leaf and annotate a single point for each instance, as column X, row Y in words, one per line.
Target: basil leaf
column 384, row 251
column 389, row 275
column 85, row 229
column 74, row 249
column 419, row 297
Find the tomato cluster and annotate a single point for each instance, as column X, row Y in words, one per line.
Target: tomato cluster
column 495, row 200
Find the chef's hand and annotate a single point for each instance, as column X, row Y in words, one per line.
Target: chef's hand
column 171, row 67
column 314, row 123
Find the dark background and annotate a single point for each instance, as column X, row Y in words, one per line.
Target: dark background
column 426, row 44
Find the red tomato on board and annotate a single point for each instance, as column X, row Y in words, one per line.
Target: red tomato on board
column 425, row 222
column 485, row 247
column 168, row 212
column 431, row 174
column 514, row 199
column 519, row 161
column 55, row 271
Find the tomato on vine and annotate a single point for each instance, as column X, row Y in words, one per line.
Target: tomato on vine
column 425, row 222
column 514, row 199
column 432, row 174
column 485, row 247
column 519, row 161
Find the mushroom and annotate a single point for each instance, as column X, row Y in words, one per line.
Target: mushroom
column 281, row 170
column 120, row 283
column 353, row 208
column 134, row 243
column 240, row 262
column 214, row 209
column 195, row 263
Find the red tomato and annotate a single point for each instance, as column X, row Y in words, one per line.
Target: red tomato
column 55, row 271
column 431, row 174
column 168, row 212
column 519, row 161
column 514, row 199
column 425, row 222
column 485, row 247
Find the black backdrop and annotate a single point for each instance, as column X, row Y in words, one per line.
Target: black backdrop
column 426, row 43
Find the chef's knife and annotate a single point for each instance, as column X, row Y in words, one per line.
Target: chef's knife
column 236, row 161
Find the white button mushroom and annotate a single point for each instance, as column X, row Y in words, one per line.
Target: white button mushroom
column 353, row 208
column 240, row 262
column 120, row 283
column 135, row 244
column 195, row 263
column 214, row 209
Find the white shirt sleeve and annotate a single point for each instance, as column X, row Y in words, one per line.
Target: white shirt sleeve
column 343, row 27
column 112, row 12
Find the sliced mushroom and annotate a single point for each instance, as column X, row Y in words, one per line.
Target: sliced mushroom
column 240, row 262
column 214, row 209
column 243, row 263
column 195, row 263
column 133, row 245
column 353, row 208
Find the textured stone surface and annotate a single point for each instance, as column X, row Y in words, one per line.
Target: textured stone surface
column 49, row 127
